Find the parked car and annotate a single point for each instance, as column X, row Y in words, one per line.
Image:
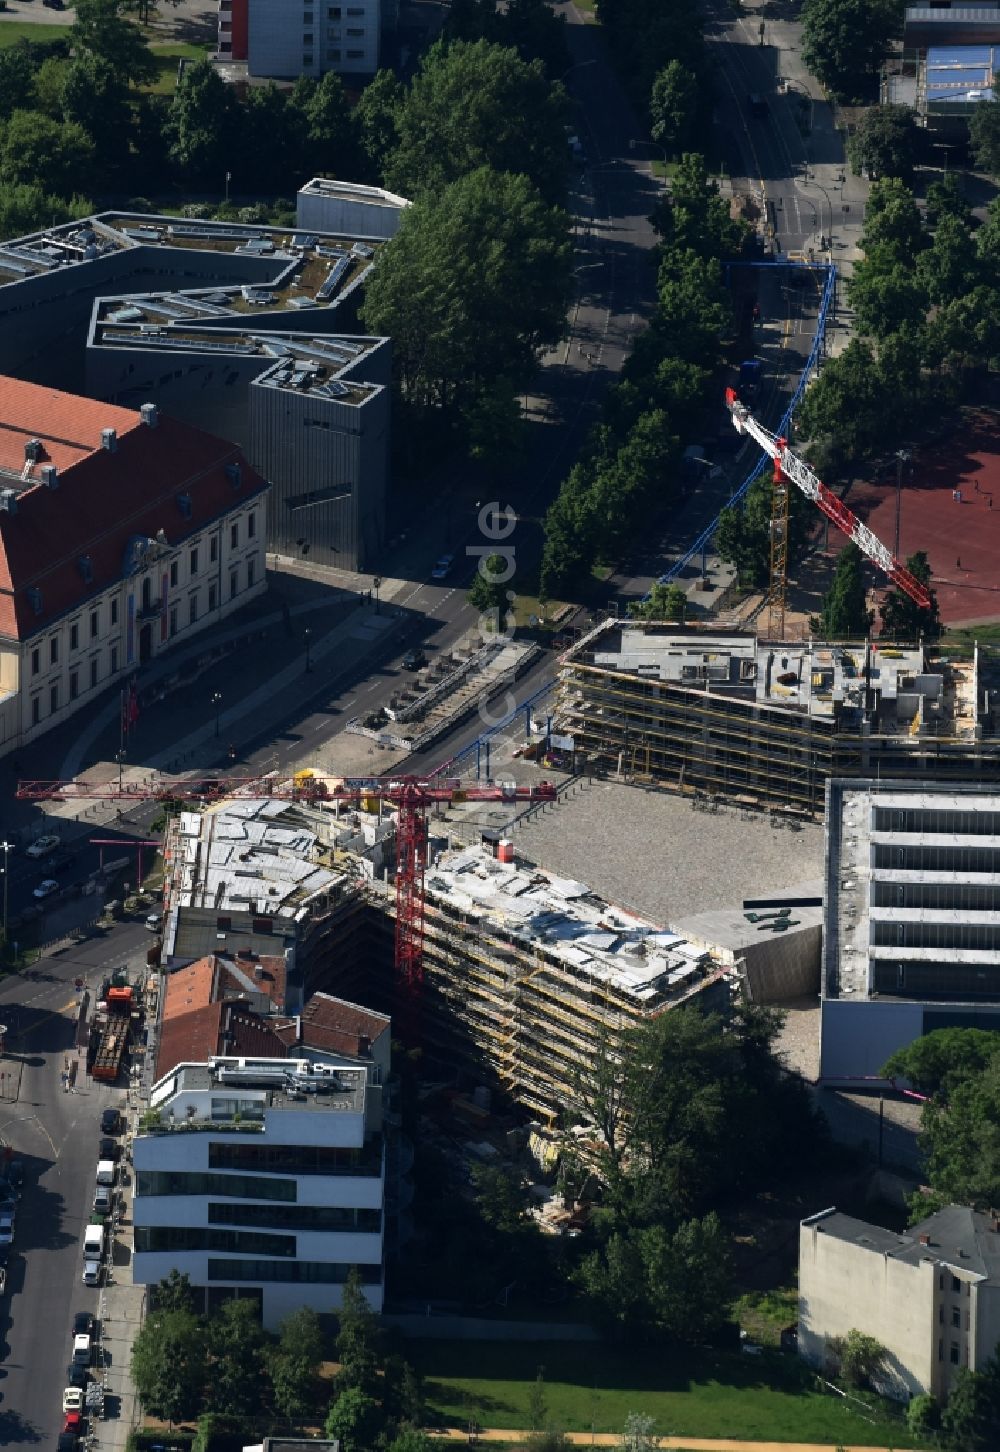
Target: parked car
column 414, row 659
column 442, row 567
column 103, row 1200
column 68, row 1442
column 6, row 1228
column 111, row 1121
column 62, row 862
column 73, row 1399
column 83, row 1350
column 154, row 922
column 47, row 887
column 42, row 845
column 91, row 1272
column 107, row 1150
column 77, row 1375
column 83, row 1324
column 73, row 1425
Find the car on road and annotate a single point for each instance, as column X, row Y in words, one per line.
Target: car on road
column 73, row 1399
column 111, row 1121
column 47, row 887
column 758, row 106
column 77, row 1375
column 154, row 922
column 414, row 659
column 442, row 567
column 83, row 1350
column 43, row 845
column 83, row 1324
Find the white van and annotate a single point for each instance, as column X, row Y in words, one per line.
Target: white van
column 105, row 1172
column 93, row 1241
column 82, row 1351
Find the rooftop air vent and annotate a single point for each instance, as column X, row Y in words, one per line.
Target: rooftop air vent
column 150, row 415
column 32, row 450
column 8, row 500
column 109, row 440
column 50, row 476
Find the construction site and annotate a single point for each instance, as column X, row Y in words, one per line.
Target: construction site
column 766, row 723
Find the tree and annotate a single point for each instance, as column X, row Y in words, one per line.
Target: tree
column 94, row 96
column 862, row 1359
column 569, row 536
column 499, row 1200
column 694, row 217
column 355, row 1420
column 902, row 617
column 200, row 123
column 885, row 301
column 970, row 1419
column 38, row 150
column 236, row 1345
column 102, row 31
column 846, row 408
column 168, row 1365
column 174, row 1293
column 410, row 1439
column 639, row 1434
column 294, row 1366
column 673, row 107
column 331, row 132
column 844, row 42
column 18, row 69
column 984, row 135
column 937, row 1063
column 538, row 1404
column 923, row 1417
column 687, row 1278
column 845, row 607
column 377, row 119
column 474, row 284
column 665, row 602
column 26, row 208
column 893, row 234
column 945, row 198
column 884, row 143
column 472, row 105
column 949, row 268
column 358, row 1341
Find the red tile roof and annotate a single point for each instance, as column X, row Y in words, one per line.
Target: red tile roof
column 189, row 988
column 339, row 1026
column 103, row 500
column 218, row 1028
column 233, row 975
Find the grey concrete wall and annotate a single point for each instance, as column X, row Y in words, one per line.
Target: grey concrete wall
column 784, row 966
column 346, row 217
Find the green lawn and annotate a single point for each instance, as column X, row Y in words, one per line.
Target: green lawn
column 11, row 31
column 167, row 54
column 696, row 1393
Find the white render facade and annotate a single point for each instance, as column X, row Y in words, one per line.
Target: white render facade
column 175, row 592
column 269, row 1192
column 308, row 37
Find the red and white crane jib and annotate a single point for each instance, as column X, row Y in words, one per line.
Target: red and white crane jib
column 799, row 472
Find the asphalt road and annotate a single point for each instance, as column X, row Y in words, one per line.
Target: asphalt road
column 56, row 1134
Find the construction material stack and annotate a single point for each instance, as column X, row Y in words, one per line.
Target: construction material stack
column 109, row 1033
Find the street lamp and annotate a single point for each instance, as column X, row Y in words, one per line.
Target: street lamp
column 5, row 847
column 308, row 637
column 375, row 586
column 217, row 704
column 120, row 758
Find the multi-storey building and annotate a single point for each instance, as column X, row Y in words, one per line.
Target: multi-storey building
column 766, row 723
column 930, row 1296
column 122, row 533
column 911, row 938
column 276, row 39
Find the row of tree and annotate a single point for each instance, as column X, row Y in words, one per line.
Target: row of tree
column 227, row 1367
column 630, row 466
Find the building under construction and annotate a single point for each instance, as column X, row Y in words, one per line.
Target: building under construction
column 766, row 723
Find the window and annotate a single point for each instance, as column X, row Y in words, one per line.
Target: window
column 333, row 55
column 250, row 574
column 307, row 60
column 153, row 1238
column 54, row 650
column 95, row 621
column 307, row 40
column 74, row 685
column 234, row 583
column 36, row 661
column 251, row 524
column 194, row 562
column 940, row 1315
column 36, row 710
column 355, row 10
column 333, row 12
column 234, row 536
column 355, row 30
column 262, row 926
column 297, row 1272
column 173, row 620
column 296, row 1217
column 93, row 672
column 173, row 572
column 223, row 925
column 296, row 1159
column 956, row 1317
column 192, row 609
column 954, row 1353
column 941, row 1348
column 213, row 596
column 53, row 698
column 114, row 611
column 113, row 664
column 355, row 55
column 307, row 17
column 213, row 549
column 240, row 1187
column 956, row 1285
column 74, row 635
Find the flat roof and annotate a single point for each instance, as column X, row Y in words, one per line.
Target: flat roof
column 356, row 192
column 340, row 1091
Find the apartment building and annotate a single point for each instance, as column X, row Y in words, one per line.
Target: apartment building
column 767, row 723
column 122, row 534
column 305, row 38
column 930, row 1296
column 260, row 1164
column 911, row 938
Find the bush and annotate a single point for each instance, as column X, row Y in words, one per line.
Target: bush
column 923, row 1416
column 143, row 1439
column 197, row 211
column 139, row 204
column 219, row 1433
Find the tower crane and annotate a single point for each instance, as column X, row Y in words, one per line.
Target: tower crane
column 410, row 795
column 789, row 467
